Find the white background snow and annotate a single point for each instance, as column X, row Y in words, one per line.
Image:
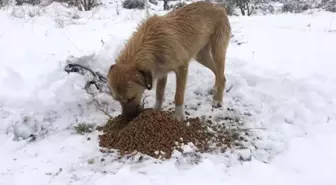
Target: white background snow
column 283, row 76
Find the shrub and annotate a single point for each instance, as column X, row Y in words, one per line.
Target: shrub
column 177, row 5
column 154, row 2
column 229, row 5
column 83, row 5
column 133, row 4
column 31, row 2
column 267, row 9
column 329, row 5
column 331, row 8
column 246, row 7
column 87, row 5
column 295, row 6
column 83, row 128
column 230, row 9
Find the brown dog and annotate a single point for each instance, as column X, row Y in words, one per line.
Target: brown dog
column 167, row 43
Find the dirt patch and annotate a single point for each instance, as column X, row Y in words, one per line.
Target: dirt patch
column 157, row 134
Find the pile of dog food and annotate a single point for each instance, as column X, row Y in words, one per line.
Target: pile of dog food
column 157, row 134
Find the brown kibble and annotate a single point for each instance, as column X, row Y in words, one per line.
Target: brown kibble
column 155, row 130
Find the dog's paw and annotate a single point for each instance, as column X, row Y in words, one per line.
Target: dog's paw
column 179, row 113
column 179, row 117
column 217, row 104
column 157, row 105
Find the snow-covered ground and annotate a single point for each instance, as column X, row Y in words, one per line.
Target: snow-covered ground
column 281, row 69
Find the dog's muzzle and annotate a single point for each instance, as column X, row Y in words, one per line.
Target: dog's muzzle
column 130, row 110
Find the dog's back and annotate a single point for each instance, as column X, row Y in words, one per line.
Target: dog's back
column 173, row 39
column 196, row 23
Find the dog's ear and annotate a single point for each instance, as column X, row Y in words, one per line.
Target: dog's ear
column 109, row 72
column 147, row 79
column 111, row 67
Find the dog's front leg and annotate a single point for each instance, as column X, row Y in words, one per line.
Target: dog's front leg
column 160, row 89
column 181, row 80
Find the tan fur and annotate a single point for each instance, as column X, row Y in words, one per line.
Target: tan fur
column 167, row 43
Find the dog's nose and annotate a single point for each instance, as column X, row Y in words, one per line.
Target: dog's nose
column 130, row 110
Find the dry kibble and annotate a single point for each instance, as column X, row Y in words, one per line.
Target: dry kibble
column 155, row 130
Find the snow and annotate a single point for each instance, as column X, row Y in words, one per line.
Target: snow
column 283, row 87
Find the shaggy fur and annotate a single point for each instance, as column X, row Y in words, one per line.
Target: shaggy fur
column 164, row 44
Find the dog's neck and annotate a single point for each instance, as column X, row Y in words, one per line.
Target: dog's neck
column 140, row 60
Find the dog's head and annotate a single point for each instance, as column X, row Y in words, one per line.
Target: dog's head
column 127, row 84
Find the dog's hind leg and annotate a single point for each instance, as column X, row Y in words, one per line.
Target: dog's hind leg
column 160, row 89
column 219, row 44
column 204, row 58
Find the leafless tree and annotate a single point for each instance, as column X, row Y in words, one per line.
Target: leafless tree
column 165, row 5
column 87, row 5
column 247, row 6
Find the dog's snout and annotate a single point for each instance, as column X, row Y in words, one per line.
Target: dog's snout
column 130, row 110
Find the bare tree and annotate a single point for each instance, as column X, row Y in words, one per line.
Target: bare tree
column 165, row 5
column 147, row 8
column 31, row 2
column 87, row 5
column 154, row 2
column 248, row 6
column 134, row 4
column 229, row 5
